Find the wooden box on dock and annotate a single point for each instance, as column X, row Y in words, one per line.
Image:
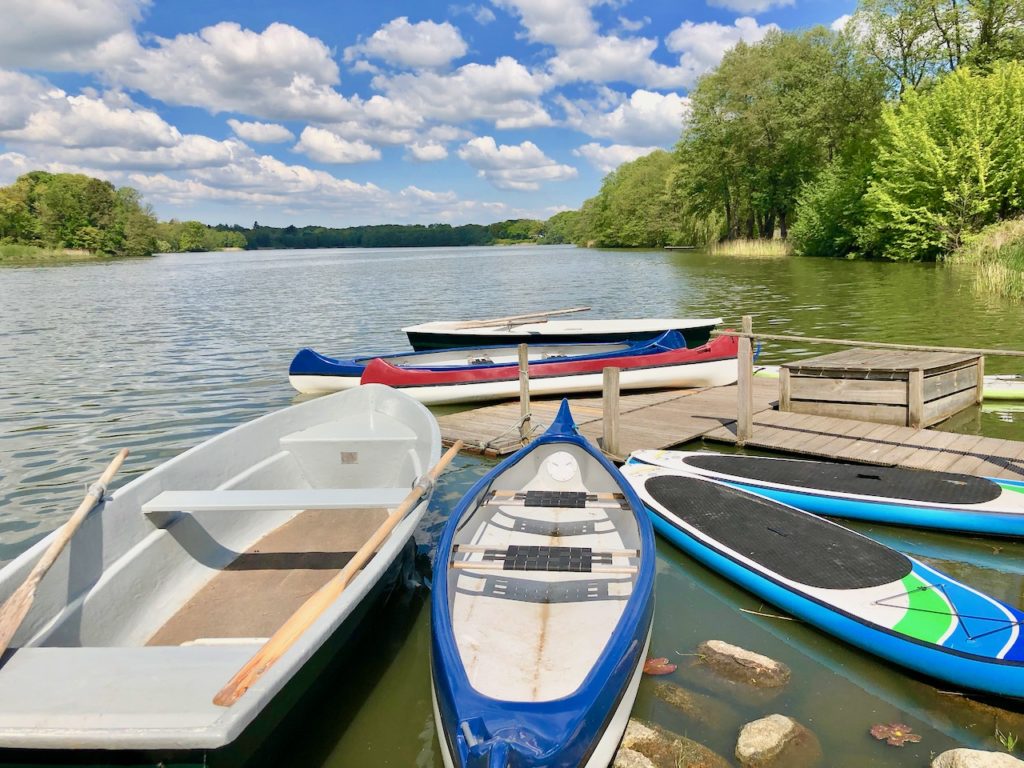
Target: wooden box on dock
column 914, row 389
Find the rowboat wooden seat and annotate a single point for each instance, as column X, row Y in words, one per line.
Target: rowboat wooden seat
column 166, row 506
column 311, row 498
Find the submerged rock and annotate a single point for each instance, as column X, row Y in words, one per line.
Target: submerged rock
column 975, row 758
column 663, row 749
column 701, row 709
column 627, row 758
column 743, row 666
column 777, row 741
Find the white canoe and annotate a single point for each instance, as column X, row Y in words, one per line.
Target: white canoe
column 446, row 334
column 172, row 583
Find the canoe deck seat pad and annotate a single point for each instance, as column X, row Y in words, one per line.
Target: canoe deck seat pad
column 890, row 482
column 796, row 545
column 536, row 558
column 529, row 591
column 570, row 499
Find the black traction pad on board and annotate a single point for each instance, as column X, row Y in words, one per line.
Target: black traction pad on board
column 795, row 545
column 887, row 482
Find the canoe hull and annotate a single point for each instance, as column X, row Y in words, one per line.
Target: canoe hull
column 714, row 364
column 445, row 335
column 311, row 372
column 539, row 665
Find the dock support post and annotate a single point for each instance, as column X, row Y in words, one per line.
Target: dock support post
column 524, row 393
column 915, row 398
column 745, row 383
column 981, row 380
column 610, row 417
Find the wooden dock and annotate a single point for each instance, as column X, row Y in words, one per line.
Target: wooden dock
column 670, row 418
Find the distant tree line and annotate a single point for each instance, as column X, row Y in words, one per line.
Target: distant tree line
column 76, row 212
column 899, row 137
column 394, row 235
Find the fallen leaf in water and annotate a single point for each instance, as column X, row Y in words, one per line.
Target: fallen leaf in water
column 896, row 734
column 659, row 666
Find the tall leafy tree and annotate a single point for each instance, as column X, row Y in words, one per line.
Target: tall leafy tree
column 768, row 120
column 948, row 162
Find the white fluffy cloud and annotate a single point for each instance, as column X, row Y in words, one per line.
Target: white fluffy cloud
column 65, row 34
column 261, row 133
column 86, row 122
column 424, row 45
column 607, row 159
column 328, row 147
column 561, row 23
column 750, row 6
column 612, row 59
column 701, row 46
column 505, row 92
column 521, row 167
column 427, row 151
column 645, row 118
column 280, row 73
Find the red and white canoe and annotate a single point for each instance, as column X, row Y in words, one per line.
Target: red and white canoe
column 710, row 365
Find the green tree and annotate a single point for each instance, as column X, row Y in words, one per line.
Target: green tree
column 192, row 236
column 948, row 162
column 768, row 120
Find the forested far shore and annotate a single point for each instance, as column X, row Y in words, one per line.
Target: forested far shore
column 48, row 217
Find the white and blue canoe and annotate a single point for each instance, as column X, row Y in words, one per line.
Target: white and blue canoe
column 541, row 609
column 839, row 581
column 891, row 495
column 312, row 372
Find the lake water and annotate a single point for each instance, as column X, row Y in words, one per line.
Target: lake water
column 159, row 354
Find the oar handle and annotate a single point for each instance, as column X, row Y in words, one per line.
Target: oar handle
column 323, row 598
column 16, row 608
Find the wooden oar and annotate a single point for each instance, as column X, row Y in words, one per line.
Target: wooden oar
column 324, row 597
column 517, row 319
column 18, row 604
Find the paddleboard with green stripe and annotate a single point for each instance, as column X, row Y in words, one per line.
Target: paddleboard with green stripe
column 846, row 584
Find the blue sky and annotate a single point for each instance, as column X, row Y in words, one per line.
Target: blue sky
column 342, row 113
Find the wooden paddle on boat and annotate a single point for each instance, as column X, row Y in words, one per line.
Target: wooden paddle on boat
column 18, row 604
column 533, row 317
column 322, row 599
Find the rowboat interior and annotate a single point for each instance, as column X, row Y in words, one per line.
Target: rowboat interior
column 174, row 583
column 540, row 575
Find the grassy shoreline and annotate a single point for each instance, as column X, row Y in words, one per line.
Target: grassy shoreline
column 28, row 255
column 755, row 248
column 995, row 257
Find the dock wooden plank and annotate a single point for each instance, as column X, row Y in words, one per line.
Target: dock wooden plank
column 669, row 418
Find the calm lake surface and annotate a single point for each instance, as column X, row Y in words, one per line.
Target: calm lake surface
column 159, row 354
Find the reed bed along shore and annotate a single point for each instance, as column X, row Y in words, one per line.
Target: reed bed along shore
column 755, row 248
column 995, row 257
column 17, row 254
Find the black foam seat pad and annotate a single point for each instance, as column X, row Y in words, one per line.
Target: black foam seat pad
column 796, row 545
column 890, row 482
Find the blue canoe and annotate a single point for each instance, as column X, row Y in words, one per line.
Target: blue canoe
column 891, row 495
column 846, row 584
column 311, row 371
column 541, row 609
